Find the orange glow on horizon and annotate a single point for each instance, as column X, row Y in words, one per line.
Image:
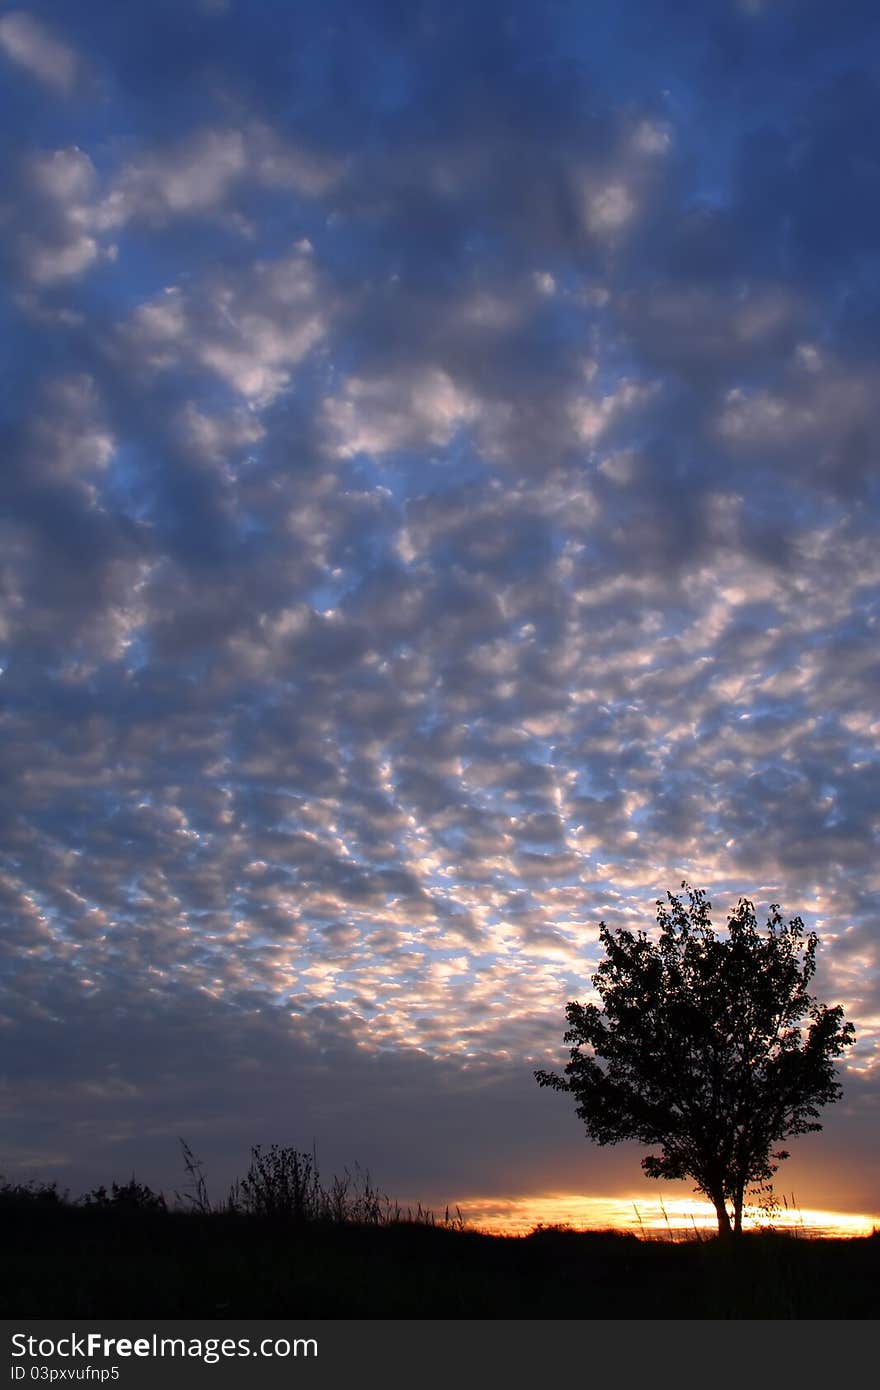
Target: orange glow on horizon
column 674, row 1217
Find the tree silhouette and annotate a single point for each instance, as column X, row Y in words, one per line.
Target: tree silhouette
column 708, row 1045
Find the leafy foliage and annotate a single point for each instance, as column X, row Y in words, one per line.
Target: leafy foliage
column 30, row 1194
column 710, row 1046
column 129, row 1196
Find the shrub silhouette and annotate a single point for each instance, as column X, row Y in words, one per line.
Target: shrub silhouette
column 31, row 1194
column 129, row 1196
column 281, row 1183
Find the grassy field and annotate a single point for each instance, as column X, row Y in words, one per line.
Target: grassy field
column 285, row 1244
column 127, row 1260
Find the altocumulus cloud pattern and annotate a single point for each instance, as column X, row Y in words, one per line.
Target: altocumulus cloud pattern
column 439, row 510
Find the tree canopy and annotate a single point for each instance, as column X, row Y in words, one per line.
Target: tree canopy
column 708, row 1045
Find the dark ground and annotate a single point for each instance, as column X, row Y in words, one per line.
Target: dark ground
column 65, row 1260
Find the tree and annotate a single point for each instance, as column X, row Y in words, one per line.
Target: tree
column 707, row 1045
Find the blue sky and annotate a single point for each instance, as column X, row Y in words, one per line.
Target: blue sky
column 439, row 512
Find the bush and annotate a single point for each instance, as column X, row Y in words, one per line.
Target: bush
column 31, row 1194
column 282, row 1183
column 129, row 1196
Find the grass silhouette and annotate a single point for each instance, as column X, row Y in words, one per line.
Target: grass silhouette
column 282, row 1242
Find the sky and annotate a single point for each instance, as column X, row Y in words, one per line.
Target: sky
column 439, row 512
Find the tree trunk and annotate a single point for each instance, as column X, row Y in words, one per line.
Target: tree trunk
column 724, row 1227
column 738, row 1210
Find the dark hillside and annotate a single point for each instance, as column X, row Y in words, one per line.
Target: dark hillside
column 64, row 1260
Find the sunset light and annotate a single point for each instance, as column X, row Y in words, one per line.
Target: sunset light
column 642, row 1215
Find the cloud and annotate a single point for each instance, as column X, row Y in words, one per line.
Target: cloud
column 377, row 417
column 248, row 331
column 697, row 327
column 35, row 48
column 608, row 208
column 821, row 410
column 202, row 172
column 65, row 211
column 61, row 218
column 439, row 513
